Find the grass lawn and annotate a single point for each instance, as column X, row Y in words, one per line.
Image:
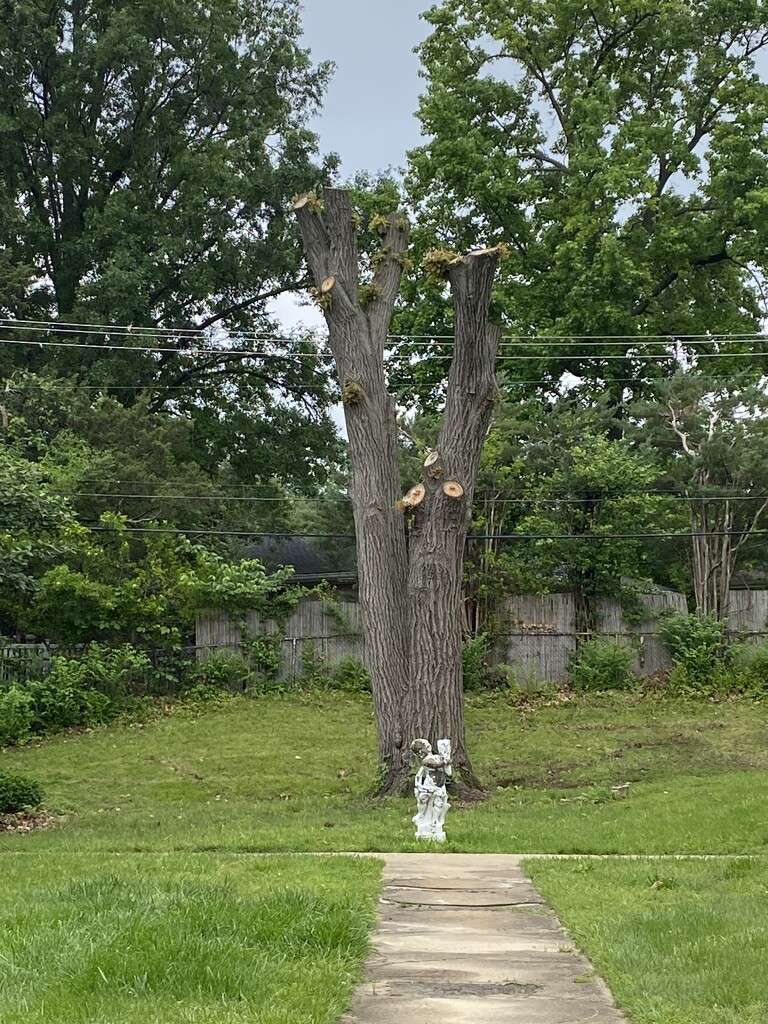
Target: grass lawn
column 679, row 942
column 192, row 938
column 139, row 907
column 290, row 774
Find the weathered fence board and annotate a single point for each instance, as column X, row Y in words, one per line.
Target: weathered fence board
column 748, row 612
column 316, row 631
column 537, row 634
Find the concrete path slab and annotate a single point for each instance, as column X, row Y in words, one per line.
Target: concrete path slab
column 466, row 938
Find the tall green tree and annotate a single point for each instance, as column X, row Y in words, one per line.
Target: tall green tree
column 713, row 435
column 147, row 154
column 573, row 506
column 619, row 149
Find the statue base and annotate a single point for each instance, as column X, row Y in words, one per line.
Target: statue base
column 435, row 837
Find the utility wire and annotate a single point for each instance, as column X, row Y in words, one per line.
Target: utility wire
column 447, row 341
column 299, row 386
column 478, row 499
column 474, row 537
column 244, row 353
column 197, row 332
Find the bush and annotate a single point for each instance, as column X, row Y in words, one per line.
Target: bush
column 88, row 690
column 16, row 715
column 602, row 663
column 474, row 658
column 226, row 671
column 349, row 675
column 698, row 645
column 59, row 702
column 314, row 672
column 264, row 654
column 18, row 793
column 748, row 668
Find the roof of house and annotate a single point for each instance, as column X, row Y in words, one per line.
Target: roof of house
column 309, row 564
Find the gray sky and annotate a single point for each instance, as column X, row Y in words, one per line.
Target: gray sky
column 367, row 115
column 368, row 112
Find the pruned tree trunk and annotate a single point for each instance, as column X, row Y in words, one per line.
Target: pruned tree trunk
column 357, row 338
column 410, row 595
column 440, row 523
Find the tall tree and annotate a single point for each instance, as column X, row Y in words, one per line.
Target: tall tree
column 148, row 151
column 35, row 528
column 619, row 149
column 714, row 434
column 410, row 587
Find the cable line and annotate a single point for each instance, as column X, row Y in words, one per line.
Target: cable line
column 474, row 537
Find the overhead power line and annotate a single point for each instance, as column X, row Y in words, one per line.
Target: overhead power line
column 298, row 357
column 679, row 535
column 197, row 497
column 300, row 386
column 508, row 341
column 479, row 498
column 191, row 333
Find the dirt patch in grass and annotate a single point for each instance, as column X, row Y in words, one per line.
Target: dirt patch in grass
column 27, row 821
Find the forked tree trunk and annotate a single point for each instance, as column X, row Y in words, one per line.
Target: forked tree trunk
column 410, row 597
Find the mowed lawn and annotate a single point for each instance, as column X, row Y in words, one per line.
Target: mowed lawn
column 143, row 903
column 292, row 774
column 193, row 938
column 679, row 942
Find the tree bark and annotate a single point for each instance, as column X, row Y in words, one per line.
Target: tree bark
column 410, row 596
column 440, row 523
column 357, row 338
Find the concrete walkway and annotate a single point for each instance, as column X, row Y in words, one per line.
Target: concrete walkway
column 467, row 939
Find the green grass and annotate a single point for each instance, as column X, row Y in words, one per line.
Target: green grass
column 291, row 774
column 140, row 908
column 679, row 942
column 154, row 939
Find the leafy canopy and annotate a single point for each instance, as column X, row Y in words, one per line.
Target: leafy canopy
column 619, row 149
column 148, row 152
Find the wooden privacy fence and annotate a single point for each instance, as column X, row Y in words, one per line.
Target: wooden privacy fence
column 316, row 630
column 536, row 635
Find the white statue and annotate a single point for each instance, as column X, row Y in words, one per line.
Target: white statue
column 429, row 790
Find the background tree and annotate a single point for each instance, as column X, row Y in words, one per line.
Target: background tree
column 410, row 593
column 147, row 154
column 619, row 150
column 564, row 506
column 714, row 435
column 35, row 529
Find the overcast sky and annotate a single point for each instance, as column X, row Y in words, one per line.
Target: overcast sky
column 368, row 112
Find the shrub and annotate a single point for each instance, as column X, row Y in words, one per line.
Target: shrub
column 16, row 715
column 314, row 672
column 225, row 670
column 602, row 663
column 748, row 665
column 87, row 690
column 61, row 703
column 264, row 654
column 349, row 675
column 18, row 793
column 698, row 646
column 474, row 656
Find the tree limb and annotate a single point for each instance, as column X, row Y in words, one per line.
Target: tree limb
column 539, row 154
column 680, row 433
column 667, row 281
